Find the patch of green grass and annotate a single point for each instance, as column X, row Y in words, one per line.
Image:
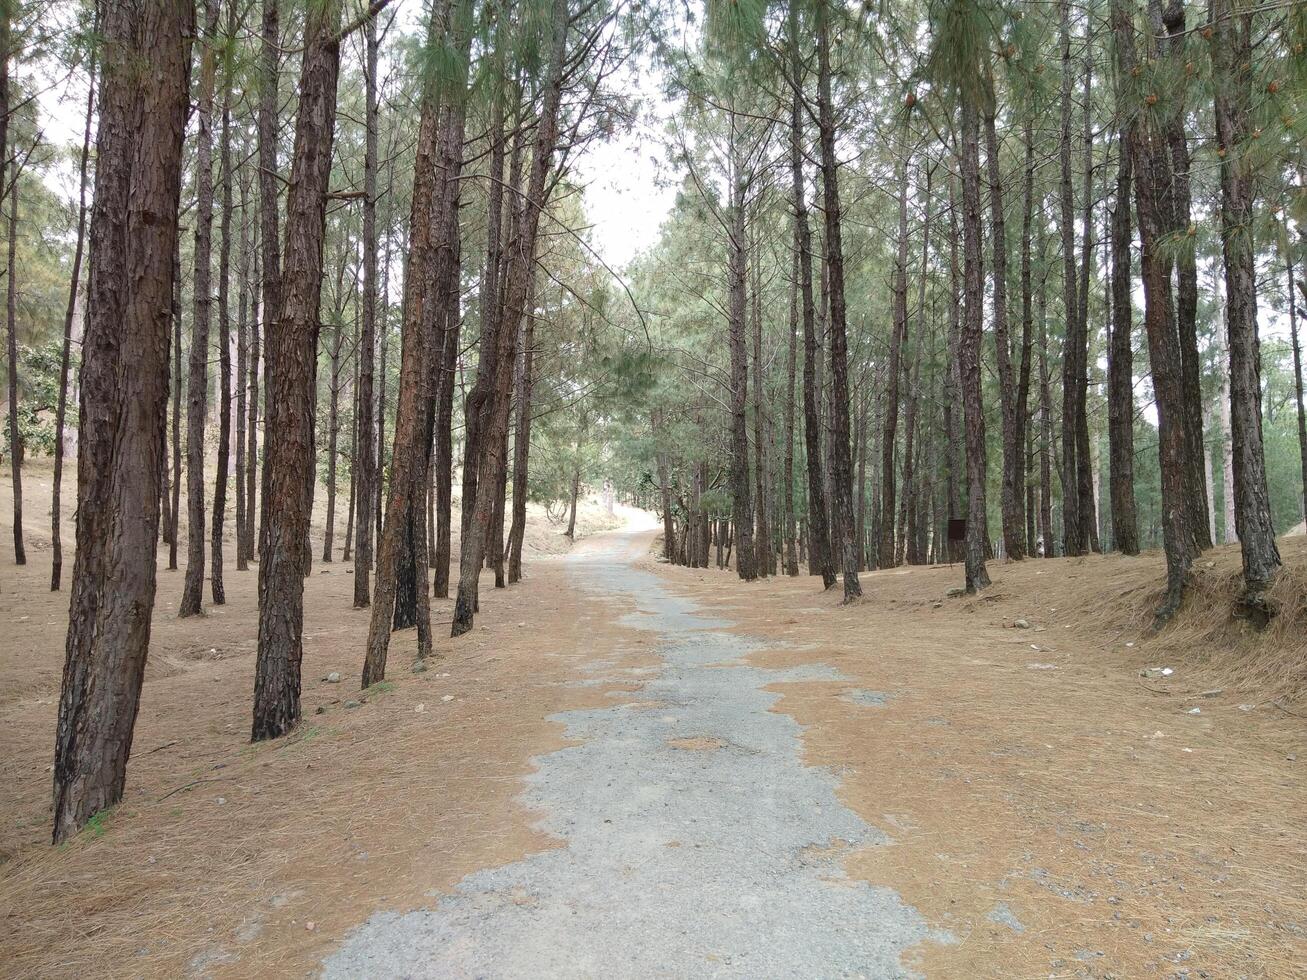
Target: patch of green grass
column 380, row 687
column 98, row 824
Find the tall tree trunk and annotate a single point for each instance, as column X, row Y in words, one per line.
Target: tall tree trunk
column 269, row 231
column 1027, row 334
column 737, row 273
column 292, row 342
column 952, row 378
column 842, row 472
column 1073, row 542
column 433, row 233
column 820, row 560
column 216, row 589
column 365, row 454
column 124, row 391
column 242, row 371
column 61, row 411
column 11, row 317
column 1172, row 20
column 764, row 546
column 1232, row 78
column 977, row 577
column 197, row 385
column 1297, row 372
column 1120, row 367
column 1227, row 444
column 522, row 442
column 1085, row 472
column 888, row 548
column 1045, row 419
column 252, row 424
column 350, row 507
column 176, row 312
column 333, row 443
column 791, row 551
column 1012, row 496
column 1152, row 178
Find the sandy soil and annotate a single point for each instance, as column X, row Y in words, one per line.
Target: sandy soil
column 1060, row 814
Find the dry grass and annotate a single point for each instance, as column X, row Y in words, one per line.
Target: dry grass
column 1036, row 768
column 222, row 852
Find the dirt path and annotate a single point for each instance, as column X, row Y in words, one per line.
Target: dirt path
column 695, row 840
column 633, row 770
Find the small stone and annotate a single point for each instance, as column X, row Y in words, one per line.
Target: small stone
column 322, row 710
column 1291, row 757
column 1195, row 711
column 220, row 800
column 1022, row 624
column 310, row 926
column 1215, row 692
column 333, row 677
column 447, row 698
column 937, row 605
column 353, row 704
column 520, row 625
column 419, row 709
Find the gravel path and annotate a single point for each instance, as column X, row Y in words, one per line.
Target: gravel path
column 695, row 843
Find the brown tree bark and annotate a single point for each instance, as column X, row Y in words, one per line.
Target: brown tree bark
column 124, row 390
column 1152, row 179
column 1022, row 464
column 791, row 551
column 1171, row 19
column 216, row 590
column 1297, row 369
column 269, row 228
column 1012, row 494
column 841, row 472
column 1120, row 367
column 1232, row 77
column 977, row 577
column 1073, row 542
column 490, row 395
column 888, row 550
column 522, row 442
column 11, row 318
column 61, row 410
column 820, row 559
column 365, row 453
column 252, row 408
column 176, row 311
column 433, row 233
column 737, row 273
column 333, row 439
column 292, row 342
column 1045, row 417
column 197, row 384
column 242, row 369
column 764, row 547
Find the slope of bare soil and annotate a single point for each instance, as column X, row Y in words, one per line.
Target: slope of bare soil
column 1059, row 813
column 227, row 859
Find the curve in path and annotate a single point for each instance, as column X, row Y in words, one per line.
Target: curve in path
column 720, row 857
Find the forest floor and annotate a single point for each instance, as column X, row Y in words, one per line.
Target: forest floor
column 632, row 768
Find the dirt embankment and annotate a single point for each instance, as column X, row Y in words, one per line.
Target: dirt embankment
column 1060, row 813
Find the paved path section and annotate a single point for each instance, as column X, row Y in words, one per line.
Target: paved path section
column 695, row 842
